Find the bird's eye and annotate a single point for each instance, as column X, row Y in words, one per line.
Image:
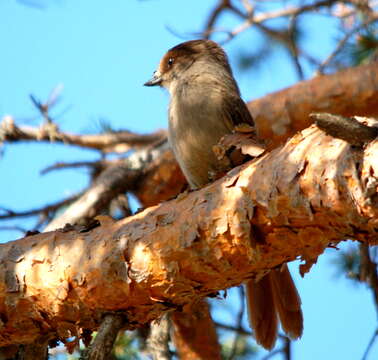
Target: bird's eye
column 171, row 61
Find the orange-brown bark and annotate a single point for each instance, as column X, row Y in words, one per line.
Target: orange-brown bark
column 291, row 202
column 194, row 333
column 163, row 180
column 352, row 91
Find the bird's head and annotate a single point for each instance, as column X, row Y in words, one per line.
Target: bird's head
column 180, row 60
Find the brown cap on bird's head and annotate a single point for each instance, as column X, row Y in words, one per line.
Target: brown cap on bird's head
column 182, row 56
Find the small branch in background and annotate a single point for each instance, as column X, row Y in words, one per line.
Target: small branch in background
column 111, row 182
column 368, row 272
column 353, row 16
column 13, row 228
column 36, row 351
column 102, row 345
column 114, row 180
column 348, row 129
column 43, row 108
column 248, row 7
column 213, row 17
column 340, row 46
column 234, row 348
column 287, row 348
column 158, row 339
column 370, row 345
column 117, row 141
column 101, row 164
column 254, row 18
column 9, row 214
column 273, row 353
column 241, row 330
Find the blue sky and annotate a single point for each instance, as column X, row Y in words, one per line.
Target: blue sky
column 102, row 54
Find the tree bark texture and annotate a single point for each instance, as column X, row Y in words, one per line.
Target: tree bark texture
column 292, row 202
column 349, row 92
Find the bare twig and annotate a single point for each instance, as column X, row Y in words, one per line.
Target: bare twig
column 234, row 348
column 273, row 353
column 368, row 272
column 114, row 180
column 118, row 141
column 8, row 214
column 371, row 342
column 241, row 330
column 248, row 7
column 289, row 11
column 158, row 339
column 220, row 7
column 97, row 165
column 13, row 228
column 102, row 345
column 287, row 348
column 343, row 42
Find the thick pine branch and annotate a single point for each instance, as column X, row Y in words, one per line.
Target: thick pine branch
column 353, row 91
column 293, row 202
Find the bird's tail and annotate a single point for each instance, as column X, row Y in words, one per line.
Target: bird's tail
column 271, row 298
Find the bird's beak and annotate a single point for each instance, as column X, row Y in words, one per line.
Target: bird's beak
column 155, row 80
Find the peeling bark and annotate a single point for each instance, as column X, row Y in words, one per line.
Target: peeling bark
column 292, row 202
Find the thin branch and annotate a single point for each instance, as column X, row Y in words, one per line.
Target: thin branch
column 290, row 11
column 158, row 339
column 215, row 13
column 97, row 165
column 9, row 214
column 370, row 345
column 343, row 41
column 114, row 180
column 287, row 348
column 273, row 353
column 118, row 141
column 13, row 228
column 42, row 108
column 241, row 330
column 234, row 347
column 368, row 272
column 102, row 345
column 248, row 7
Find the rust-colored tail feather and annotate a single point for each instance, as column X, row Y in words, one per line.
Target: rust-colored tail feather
column 287, row 302
column 261, row 311
column 272, row 297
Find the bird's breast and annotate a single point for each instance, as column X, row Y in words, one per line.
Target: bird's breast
column 195, row 126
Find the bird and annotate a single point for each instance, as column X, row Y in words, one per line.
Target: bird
column 205, row 105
